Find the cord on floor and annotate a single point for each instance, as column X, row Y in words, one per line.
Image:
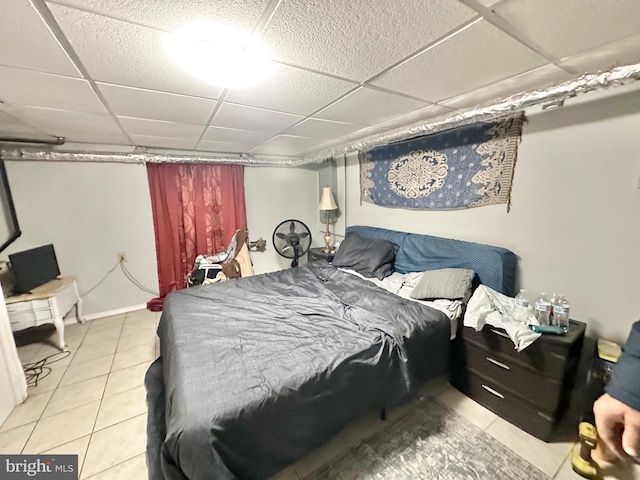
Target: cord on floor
column 36, row 371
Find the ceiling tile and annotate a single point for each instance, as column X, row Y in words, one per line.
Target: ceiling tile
column 224, row 147
column 360, row 134
column 542, row 77
column 231, row 135
column 255, row 119
column 317, row 148
column 13, row 127
column 27, row 87
column 346, row 140
column 572, row 26
column 118, row 52
column 477, row 56
column 488, row 3
column 325, row 129
column 287, row 90
column 620, row 52
column 422, row 114
column 286, row 145
column 357, row 40
column 74, row 126
column 157, row 128
column 367, row 106
column 163, row 142
column 26, row 41
column 166, row 15
column 140, row 103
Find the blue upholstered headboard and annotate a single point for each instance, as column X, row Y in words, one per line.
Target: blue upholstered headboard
column 494, row 266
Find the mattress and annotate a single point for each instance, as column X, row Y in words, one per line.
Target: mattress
column 256, row 372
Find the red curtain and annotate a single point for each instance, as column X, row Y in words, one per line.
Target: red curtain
column 197, row 209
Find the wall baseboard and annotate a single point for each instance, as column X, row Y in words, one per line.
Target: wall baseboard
column 109, row 313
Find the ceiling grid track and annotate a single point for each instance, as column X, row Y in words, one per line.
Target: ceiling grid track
column 215, row 111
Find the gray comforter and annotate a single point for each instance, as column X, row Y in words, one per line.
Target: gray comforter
column 258, row 371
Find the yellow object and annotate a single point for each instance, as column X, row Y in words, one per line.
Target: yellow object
column 581, row 466
column 581, row 461
column 609, row 351
column 588, row 434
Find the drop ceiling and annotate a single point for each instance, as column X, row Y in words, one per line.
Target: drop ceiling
column 95, row 71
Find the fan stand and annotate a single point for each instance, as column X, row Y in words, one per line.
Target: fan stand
column 296, row 256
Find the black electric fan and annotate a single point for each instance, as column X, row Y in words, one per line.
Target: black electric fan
column 292, row 239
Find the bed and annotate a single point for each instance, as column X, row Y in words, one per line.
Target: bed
column 256, row 372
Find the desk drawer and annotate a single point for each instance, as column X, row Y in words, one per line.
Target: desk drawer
column 540, row 390
column 27, row 306
column 509, row 406
column 30, row 318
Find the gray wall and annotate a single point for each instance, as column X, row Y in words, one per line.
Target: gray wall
column 90, row 211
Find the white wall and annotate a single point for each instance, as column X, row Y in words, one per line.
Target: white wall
column 89, row 211
column 274, row 194
column 575, row 215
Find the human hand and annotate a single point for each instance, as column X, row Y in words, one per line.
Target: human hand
column 618, row 426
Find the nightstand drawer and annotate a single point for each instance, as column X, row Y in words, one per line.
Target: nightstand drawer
column 542, row 391
column 509, row 406
column 548, row 355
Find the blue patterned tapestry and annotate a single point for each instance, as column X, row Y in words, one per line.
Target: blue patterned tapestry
column 464, row 167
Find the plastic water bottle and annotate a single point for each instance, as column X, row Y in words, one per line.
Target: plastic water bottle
column 521, row 307
column 553, row 301
column 561, row 312
column 542, row 309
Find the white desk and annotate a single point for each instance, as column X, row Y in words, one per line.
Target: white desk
column 48, row 303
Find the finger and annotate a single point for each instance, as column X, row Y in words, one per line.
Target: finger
column 610, row 432
column 630, row 439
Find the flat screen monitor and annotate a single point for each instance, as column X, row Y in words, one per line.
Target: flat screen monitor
column 34, row 267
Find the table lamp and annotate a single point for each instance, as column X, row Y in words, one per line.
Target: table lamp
column 327, row 203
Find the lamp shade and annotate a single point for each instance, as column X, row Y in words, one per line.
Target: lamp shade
column 327, row 202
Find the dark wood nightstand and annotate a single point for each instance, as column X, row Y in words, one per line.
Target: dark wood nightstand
column 530, row 389
column 316, row 254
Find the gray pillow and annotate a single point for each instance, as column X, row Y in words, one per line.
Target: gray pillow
column 367, row 256
column 451, row 283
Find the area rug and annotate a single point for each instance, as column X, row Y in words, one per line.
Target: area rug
column 430, row 442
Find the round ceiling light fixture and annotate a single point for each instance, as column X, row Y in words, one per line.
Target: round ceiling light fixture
column 220, row 55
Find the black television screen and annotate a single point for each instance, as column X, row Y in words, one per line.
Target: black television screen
column 34, row 267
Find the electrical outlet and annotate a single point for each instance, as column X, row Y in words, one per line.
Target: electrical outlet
column 122, row 256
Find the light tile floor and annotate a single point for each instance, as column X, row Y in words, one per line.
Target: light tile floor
column 93, row 404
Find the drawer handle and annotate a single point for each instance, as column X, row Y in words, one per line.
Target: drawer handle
column 499, row 364
column 492, row 391
column 546, row 417
column 497, row 332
